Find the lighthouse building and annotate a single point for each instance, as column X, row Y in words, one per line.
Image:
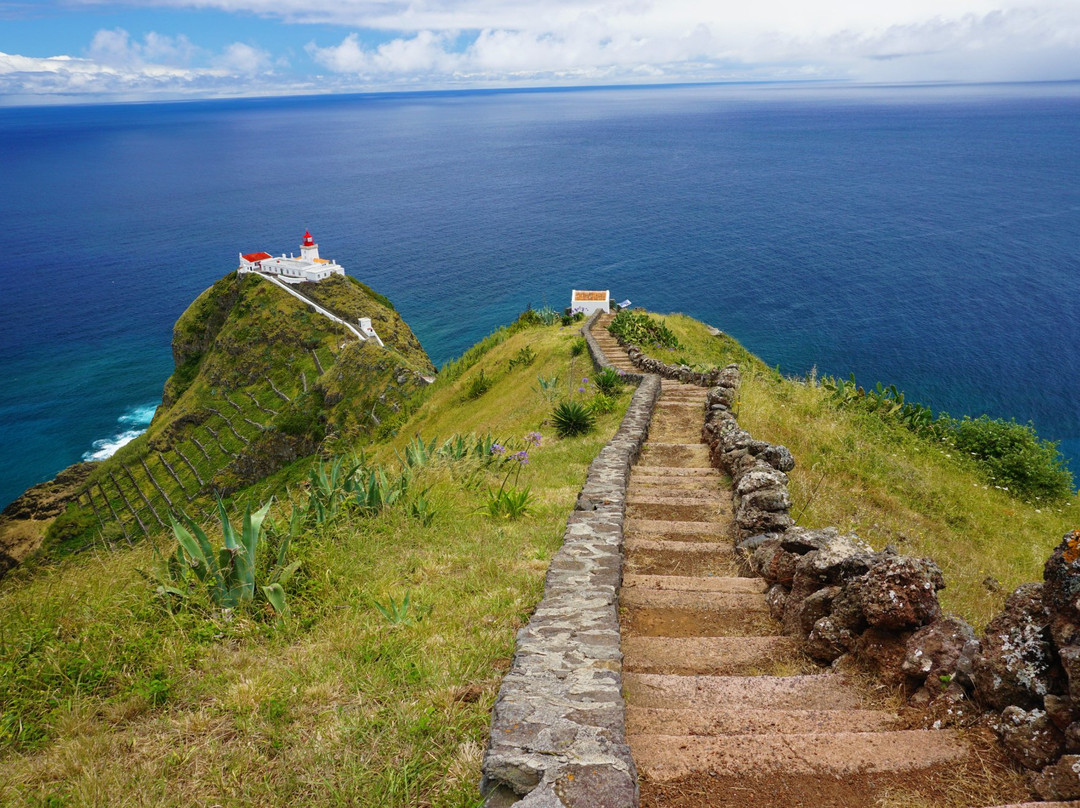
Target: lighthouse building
column 292, row 269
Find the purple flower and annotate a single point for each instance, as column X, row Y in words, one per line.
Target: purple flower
column 584, row 379
column 581, row 389
column 522, row 457
column 534, row 438
column 498, row 449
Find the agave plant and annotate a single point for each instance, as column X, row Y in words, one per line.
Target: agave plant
column 373, row 493
column 328, row 486
column 229, row 574
column 572, row 418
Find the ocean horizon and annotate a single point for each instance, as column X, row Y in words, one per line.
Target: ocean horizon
column 922, row 236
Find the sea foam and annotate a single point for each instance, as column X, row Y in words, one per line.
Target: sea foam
column 135, row 420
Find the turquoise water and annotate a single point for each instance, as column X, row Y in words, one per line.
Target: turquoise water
column 927, row 237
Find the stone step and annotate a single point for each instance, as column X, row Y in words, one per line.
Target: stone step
column 666, row 495
column 827, row 755
column 666, row 613
column 694, row 455
column 675, row 471
column 709, row 513
column 685, row 485
column 674, row 531
column 727, row 721
column 659, row 557
column 683, row 511
column 694, row 583
column 662, row 432
column 823, row 691
column 716, row 656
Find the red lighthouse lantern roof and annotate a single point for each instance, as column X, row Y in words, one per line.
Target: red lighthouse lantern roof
column 308, row 240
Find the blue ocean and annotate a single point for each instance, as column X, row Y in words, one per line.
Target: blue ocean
column 922, row 236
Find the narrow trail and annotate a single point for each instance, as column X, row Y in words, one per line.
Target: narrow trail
column 721, row 709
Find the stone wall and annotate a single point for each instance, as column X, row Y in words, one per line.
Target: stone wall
column 880, row 610
column 558, row 729
column 681, row 373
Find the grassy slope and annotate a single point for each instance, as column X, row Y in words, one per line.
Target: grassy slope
column 879, row 480
column 109, row 700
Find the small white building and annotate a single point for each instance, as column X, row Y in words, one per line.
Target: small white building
column 587, row 301
column 291, row 269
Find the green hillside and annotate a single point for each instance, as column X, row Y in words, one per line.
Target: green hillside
column 124, row 682
column 112, row 694
column 261, row 381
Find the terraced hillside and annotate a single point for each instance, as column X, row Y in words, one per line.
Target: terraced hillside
column 260, row 381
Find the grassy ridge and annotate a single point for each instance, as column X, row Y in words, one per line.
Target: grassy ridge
column 109, row 699
column 863, row 473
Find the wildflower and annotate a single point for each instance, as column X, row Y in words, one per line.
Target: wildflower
column 521, row 457
column 498, row 449
column 584, row 379
column 581, row 389
column 534, row 438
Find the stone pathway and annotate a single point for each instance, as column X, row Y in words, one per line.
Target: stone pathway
column 721, row 710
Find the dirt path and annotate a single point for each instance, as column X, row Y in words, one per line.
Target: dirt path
column 721, row 710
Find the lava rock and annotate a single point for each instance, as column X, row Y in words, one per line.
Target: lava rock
column 776, row 597
column 900, row 592
column 828, row 641
column 1059, row 781
column 1030, row 737
column 1016, row 664
column 883, row 652
column 934, row 650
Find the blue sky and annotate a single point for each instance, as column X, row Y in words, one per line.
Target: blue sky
column 85, row 50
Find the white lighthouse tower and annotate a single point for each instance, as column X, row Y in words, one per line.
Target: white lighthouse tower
column 309, row 250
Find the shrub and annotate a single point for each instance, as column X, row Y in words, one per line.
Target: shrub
column 577, row 347
column 524, row 358
column 572, row 418
column 478, row 385
column 1015, row 457
column 638, row 328
column 608, row 382
column 602, row 404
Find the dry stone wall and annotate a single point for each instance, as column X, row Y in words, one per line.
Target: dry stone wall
column 681, row 373
column 558, row 730
column 848, row 603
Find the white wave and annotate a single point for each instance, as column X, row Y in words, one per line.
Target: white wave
column 136, row 419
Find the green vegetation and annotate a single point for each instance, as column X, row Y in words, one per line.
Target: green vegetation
column 1009, row 455
column 376, row 689
column 409, row 544
column 572, row 418
column 261, row 382
column 228, row 576
column 867, row 471
column 638, row 328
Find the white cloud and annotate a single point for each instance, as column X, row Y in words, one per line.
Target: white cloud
column 239, row 58
column 116, row 65
column 442, row 43
column 916, row 40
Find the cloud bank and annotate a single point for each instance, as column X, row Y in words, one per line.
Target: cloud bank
column 386, row 44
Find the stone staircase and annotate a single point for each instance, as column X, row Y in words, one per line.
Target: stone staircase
column 721, row 710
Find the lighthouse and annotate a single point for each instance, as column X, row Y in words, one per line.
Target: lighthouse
column 307, row 268
column 309, row 250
